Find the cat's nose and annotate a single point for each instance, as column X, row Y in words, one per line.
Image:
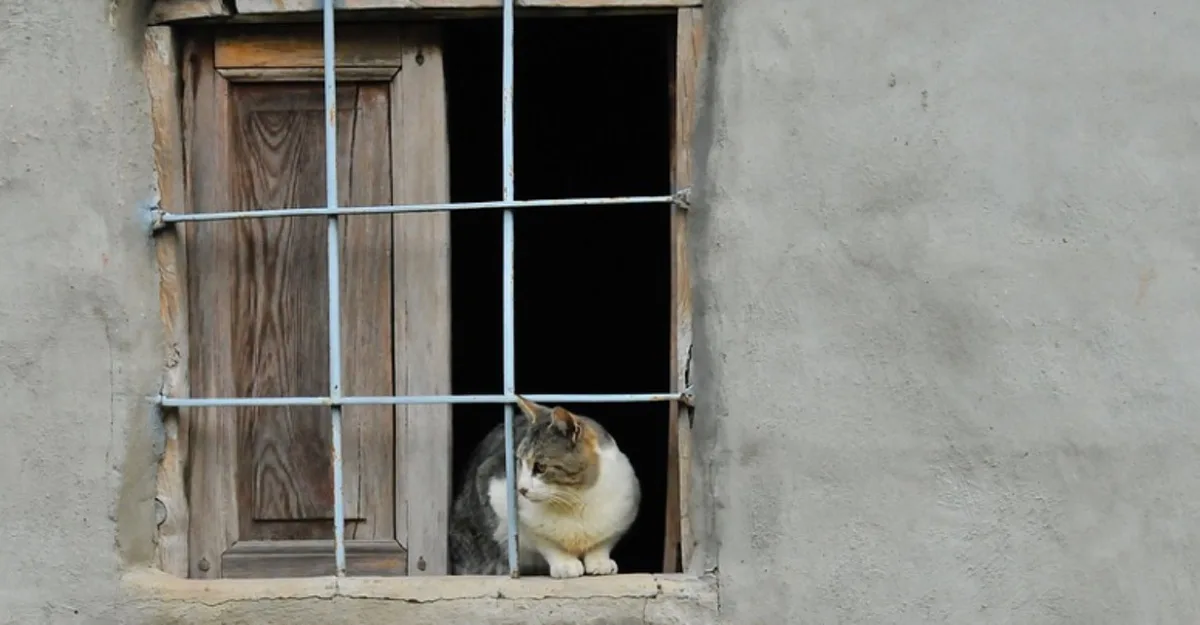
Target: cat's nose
column 523, row 490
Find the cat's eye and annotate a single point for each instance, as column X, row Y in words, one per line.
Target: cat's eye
column 538, row 468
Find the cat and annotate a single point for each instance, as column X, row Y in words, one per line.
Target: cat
column 578, row 496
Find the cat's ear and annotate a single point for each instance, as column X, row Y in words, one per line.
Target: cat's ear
column 532, row 410
column 566, row 423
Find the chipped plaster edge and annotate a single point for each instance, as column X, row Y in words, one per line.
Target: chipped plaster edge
column 154, row 585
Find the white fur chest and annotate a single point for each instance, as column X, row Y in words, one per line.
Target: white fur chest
column 599, row 515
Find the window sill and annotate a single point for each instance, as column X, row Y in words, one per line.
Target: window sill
column 154, row 585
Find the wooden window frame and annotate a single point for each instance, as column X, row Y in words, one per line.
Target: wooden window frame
column 163, row 72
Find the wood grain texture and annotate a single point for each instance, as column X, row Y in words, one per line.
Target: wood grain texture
column 688, row 51
column 368, row 436
column 160, row 64
column 281, row 310
column 212, row 444
column 307, row 74
column 253, row 7
column 422, row 301
column 671, row 545
column 300, row 45
column 264, row 472
column 311, row 558
column 177, row 10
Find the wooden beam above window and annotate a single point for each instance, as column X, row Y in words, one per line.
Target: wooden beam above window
column 177, row 10
column 300, row 46
column 163, row 11
column 285, row 6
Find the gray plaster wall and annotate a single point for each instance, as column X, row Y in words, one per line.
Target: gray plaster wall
column 948, row 310
column 78, row 308
column 946, row 316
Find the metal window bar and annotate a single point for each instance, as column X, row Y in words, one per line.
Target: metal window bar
column 506, row 113
column 161, row 219
column 335, row 308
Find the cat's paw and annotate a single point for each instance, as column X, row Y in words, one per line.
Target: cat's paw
column 566, row 568
column 599, row 565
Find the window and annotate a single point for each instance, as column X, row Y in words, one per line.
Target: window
column 247, row 486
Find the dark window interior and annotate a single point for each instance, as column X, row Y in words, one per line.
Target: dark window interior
column 592, row 284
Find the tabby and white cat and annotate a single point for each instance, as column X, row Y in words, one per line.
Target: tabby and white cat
column 578, row 495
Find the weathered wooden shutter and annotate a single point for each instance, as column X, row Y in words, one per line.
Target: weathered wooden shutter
column 260, row 479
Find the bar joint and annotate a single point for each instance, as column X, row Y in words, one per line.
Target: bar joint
column 682, row 199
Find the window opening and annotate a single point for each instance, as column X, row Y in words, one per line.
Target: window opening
column 334, row 397
column 592, row 295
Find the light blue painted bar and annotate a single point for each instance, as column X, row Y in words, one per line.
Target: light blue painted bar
column 233, row 402
column 166, row 218
column 509, row 347
column 335, row 287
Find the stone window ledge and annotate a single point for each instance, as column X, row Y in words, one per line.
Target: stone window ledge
column 153, row 584
column 151, row 596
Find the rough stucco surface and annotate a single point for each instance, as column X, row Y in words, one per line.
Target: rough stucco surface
column 79, row 357
column 78, row 320
column 947, row 294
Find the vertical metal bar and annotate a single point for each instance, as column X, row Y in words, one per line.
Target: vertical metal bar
column 509, row 357
column 335, row 296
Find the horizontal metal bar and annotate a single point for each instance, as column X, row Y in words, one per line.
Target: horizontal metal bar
column 161, row 218
column 228, row 402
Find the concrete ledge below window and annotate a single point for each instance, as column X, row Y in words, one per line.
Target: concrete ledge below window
column 156, row 597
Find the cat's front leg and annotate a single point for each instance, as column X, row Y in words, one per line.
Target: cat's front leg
column 562, row 564
column 599, row 562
